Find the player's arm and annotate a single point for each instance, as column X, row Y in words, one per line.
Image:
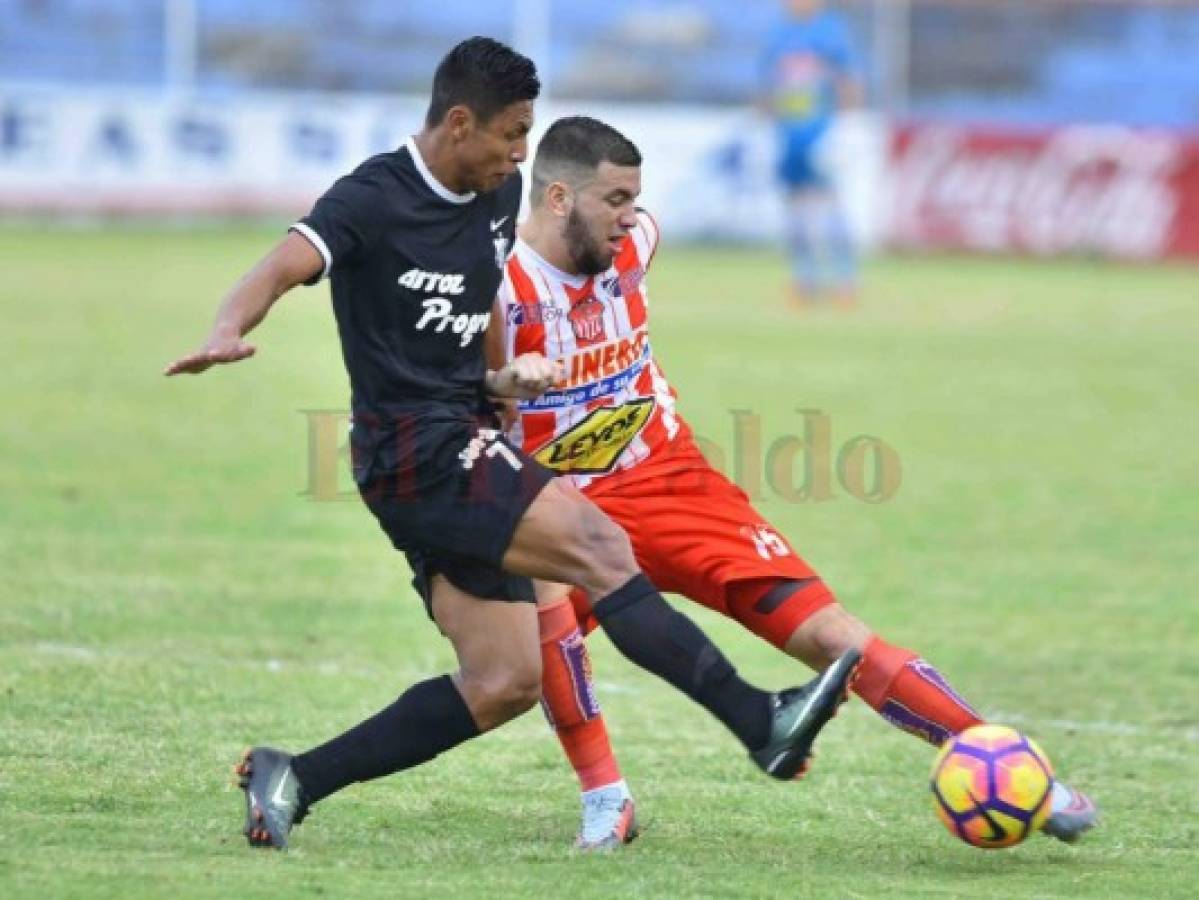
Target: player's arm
column 294, row 260
column 851, row 93
column 495, row 339
column 763, row 98
column 496, row 354
column 524, row 378
column 850, row 84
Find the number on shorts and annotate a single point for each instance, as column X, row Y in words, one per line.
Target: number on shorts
column 766, row 541
column 487, row 441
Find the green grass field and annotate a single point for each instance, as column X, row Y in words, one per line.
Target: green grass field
column 169, row 596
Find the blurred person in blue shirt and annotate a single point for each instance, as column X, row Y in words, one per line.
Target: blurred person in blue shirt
column 811, row 71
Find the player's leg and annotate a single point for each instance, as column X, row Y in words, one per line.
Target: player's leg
column 498, row 678
column 564, row 537
column 802, row 220
column 903, row 688
column 499, row 655
column 572, row 710
column 568, row 693
column 840, row 254
column 900, row 685
column 802, row 227
column 719, row 551
column 708, row 543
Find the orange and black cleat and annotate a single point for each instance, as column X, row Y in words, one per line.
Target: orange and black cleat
column 275, row 801
column 800, row 713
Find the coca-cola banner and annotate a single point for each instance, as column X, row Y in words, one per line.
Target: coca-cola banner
column 1082, row 189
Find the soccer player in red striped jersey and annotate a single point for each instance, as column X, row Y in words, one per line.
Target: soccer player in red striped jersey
column 575, row 291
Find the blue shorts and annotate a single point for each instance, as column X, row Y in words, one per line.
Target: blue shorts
column 797, row 167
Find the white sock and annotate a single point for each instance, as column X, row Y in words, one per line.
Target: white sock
column 619, row 785
column 1062, row 796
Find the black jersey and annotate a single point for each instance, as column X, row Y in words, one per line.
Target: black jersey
column 414, row 270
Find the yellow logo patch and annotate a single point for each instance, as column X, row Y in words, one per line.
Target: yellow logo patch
column 595, row 444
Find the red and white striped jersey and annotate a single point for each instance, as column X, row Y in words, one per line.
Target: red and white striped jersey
column 614, row 408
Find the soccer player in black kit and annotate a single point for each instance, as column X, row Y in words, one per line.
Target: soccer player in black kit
column 414, row 242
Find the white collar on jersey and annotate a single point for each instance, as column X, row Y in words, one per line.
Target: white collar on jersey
column 573, row 280
column 434, row 185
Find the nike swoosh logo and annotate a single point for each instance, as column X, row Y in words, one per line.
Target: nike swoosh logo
column 497, row 223
column 277, row 798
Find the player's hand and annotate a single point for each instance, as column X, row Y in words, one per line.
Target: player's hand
column 216, row 351
column 527, row 377
column 505, row 408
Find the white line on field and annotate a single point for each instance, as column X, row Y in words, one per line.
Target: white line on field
column 1099, row 726
column 332, row 668
column 71, row 651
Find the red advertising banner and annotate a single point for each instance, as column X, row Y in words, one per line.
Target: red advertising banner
column 1111, row 191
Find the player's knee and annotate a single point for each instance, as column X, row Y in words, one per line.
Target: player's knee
column 503, row 694
column 522, row 692
column 828, row 633
column 599, row 547
column 607, row 545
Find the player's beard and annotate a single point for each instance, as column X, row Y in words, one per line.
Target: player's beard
column 588, row 256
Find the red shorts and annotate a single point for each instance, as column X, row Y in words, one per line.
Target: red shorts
column 695, row 533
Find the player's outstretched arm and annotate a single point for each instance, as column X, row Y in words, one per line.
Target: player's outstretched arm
column 292, row 261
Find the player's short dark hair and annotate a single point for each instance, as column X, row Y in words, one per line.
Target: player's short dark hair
column 483, row 75
column 587, row 141
column 573, row 148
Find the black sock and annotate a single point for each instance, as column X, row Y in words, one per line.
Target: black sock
column 658, row 638
column 428, row 718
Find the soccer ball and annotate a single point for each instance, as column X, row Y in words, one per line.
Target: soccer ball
column 991, row 786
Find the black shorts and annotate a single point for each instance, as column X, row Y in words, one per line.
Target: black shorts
column 448, row 489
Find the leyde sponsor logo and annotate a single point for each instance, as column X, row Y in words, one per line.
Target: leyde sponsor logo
column 595, row 444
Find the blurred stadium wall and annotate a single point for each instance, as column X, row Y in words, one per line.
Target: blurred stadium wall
column 1040, row 126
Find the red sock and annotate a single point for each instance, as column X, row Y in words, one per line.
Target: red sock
column 583, row 614
column 568, row 697
column 910, row 694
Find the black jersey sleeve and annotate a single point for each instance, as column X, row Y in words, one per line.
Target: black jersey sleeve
column 344, row 223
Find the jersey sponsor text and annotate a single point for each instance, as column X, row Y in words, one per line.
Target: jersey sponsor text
column 595, row 444
column 439, row 312
column 420, row 280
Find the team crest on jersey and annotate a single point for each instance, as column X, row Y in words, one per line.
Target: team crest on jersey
column 595, row 444
column 587, row 320
column 501, row 250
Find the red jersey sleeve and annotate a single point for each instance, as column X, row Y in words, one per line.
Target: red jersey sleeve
column 646, row 236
